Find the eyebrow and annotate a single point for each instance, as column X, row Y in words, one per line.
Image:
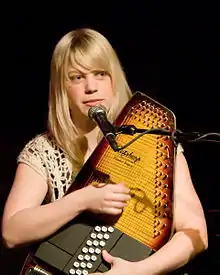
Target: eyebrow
column 74, row 71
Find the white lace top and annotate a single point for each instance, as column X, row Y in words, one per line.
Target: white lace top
column 46, row 158
column 49, row 160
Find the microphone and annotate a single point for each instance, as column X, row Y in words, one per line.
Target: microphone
column 97, row 113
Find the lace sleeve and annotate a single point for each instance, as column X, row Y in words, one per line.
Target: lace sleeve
column 32, row 156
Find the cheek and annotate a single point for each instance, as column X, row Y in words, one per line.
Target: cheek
column 110, row 94
column 73, row 93
column 108, row 88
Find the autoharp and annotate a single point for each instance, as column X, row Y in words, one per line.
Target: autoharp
column 146, row 165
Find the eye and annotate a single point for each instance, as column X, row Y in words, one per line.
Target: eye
column 101, row 74
column 76, row 78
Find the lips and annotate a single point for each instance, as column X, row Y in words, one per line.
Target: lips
column 93, row 102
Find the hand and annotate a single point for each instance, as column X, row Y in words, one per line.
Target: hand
column 106, row 198
column 119, row 266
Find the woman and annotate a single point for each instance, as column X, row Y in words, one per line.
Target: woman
column 85, row 71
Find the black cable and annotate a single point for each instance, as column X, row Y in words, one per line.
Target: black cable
column 176, row 135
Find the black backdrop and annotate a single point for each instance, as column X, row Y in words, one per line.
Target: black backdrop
column 168, row 51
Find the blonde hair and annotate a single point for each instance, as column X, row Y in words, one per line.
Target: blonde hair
column 89, row 49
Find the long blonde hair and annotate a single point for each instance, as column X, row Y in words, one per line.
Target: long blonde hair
column 85, row 48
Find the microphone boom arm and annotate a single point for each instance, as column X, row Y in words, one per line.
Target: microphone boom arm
column 177, row 135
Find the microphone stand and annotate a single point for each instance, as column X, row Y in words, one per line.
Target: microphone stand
column 176, row 135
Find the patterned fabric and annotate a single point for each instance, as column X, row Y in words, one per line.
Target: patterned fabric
column 49, row 160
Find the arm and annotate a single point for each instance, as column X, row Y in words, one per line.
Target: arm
column 26, row 220
column 190, row 237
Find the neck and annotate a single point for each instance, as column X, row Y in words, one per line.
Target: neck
column 89, row 130
column 91, row 138
column 84, row 124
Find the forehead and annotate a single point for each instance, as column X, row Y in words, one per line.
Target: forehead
column 82, row 70
column 78, row 69
column 84, row 62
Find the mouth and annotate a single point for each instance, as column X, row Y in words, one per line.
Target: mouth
column 93, row 102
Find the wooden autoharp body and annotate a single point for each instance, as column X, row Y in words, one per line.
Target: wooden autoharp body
column 146, row 166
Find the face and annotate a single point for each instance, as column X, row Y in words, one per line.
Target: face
column 88, row 88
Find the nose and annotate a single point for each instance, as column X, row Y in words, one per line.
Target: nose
column 91, row 84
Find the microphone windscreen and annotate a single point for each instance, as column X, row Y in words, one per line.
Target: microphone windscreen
column 94, row 110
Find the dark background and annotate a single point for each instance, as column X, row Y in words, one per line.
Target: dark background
column 169, row 51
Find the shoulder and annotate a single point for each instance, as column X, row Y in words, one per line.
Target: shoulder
column 35, row 151
column 43, row 154
column 36, row 146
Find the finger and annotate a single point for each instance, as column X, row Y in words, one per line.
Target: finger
column 113, row 211
column 118, row 188
column 115, row 204
column 108, row 257
column 121, row 188
column 118, row 197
